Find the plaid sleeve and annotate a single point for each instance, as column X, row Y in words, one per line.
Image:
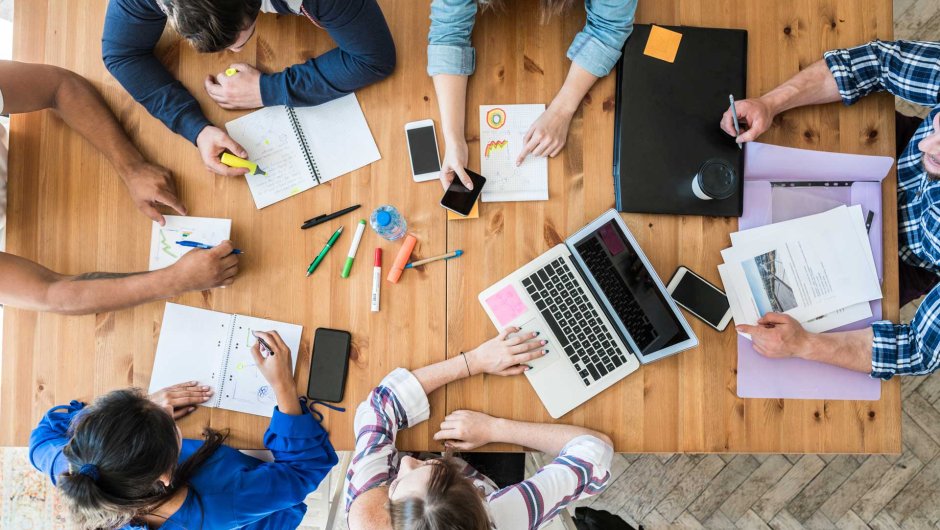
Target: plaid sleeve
column 907, row 69
column 397, row 403
column 908, row 349
column 580, row 471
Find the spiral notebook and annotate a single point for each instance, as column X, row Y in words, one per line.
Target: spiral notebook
column 214, row 349
column 300, row 148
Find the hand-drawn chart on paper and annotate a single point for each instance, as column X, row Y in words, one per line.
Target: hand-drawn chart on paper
column 163, row 248
column 502, row 129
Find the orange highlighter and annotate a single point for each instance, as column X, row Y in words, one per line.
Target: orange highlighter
column 402, row 258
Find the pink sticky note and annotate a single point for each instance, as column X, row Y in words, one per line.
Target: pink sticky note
column 506, row 305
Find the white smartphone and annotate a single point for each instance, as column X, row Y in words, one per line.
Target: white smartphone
column 700, row 298
column 422, row 149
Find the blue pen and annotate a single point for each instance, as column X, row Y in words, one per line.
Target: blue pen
column 196, row 244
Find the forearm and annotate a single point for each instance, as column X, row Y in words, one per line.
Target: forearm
column 286, row 395
column 846, row 349
column 97, row 292
column 576, row 86
column 452, row 101
column 439, row 374
column 813, row 85
column 548, row 438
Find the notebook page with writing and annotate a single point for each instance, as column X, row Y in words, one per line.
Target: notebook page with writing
column 272, row 143
column 338, row 135
column 502, row 129
column 163, row 248
column 191, row 347
column 246, row 389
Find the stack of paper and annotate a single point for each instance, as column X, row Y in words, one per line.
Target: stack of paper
column 818, row 269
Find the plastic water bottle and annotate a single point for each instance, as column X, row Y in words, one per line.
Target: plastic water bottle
column 388, row 222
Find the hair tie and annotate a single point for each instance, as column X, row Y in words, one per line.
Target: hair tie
column 89, row 470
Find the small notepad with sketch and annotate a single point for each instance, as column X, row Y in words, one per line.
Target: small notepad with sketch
column 214, row 349
column 300, row 148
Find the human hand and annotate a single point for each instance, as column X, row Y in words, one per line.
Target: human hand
column 547, row 136
column 455, row 160
column 201, row 269
column 465, row 430
column 240, row 91
column 150, row 186
column 181, row 399
column 754, row 116
column 777, row 335
column 505, row 355
column 212, row 142
column 276, row 366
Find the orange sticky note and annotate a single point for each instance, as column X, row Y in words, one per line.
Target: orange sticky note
column 663, row 44
column 474, row 213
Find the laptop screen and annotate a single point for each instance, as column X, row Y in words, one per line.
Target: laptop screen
column 632, row 294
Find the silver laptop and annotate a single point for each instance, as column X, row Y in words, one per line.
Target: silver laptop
column 600, row 305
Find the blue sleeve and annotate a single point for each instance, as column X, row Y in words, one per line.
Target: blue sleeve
column 909, row 70
column 50, row 436
column 598, row 46
column 365, row 54
column 303, row 456
column 131, row 30
column 908, row 349
column 449, row 48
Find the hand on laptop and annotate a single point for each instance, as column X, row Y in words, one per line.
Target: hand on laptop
column 755, row 117
column 465, row 430
column 506, row 354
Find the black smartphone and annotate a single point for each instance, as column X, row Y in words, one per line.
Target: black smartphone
column 329, row 365
column 458, row 198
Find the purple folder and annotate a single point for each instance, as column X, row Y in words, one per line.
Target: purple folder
column 782, row 183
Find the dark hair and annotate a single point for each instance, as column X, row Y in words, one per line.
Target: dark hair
column 119, row 449
column 548, row 8
column 211, row 25
column 452, row 502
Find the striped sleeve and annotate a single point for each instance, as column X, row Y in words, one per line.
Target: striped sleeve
column 908, row 349
column 397, row 403
column 580, row 471
column 907, row 69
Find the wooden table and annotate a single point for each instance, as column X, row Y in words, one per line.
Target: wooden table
column 69, row 211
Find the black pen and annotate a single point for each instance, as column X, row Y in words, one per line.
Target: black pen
column 314, row 221
column 871, row 217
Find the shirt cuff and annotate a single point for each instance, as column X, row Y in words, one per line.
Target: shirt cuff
column 273, row 92
column 592, row 449
column 593, row 55
column 294, row 426
column 842, row 65
column 191, row 123
column 455, row 60
column 410, row 394
column 884, row 350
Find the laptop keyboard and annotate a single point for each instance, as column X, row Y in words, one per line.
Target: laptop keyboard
column 575, row 322
column 625, row 304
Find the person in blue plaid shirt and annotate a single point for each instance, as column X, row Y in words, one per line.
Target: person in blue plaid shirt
column 910, row 70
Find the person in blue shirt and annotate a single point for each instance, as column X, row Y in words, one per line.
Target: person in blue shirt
column 122, row 463
column 365, row 54
column 451, row 59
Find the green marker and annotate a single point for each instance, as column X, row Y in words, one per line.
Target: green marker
column 354, row 247
column 322, row 254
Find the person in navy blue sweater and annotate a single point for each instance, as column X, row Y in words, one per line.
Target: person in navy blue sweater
column 365, row 54
column 122, row 463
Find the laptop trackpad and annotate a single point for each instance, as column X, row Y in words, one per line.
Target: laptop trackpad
column 554, row 350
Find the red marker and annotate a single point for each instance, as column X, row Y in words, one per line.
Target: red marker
column 376, row 279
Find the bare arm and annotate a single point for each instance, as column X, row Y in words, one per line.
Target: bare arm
column 29, row 285
column 814, row 85
column 452, row 101
column 548, row 438
column 30, row 87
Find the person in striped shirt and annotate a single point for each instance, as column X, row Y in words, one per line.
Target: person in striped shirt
column 385, row 489
column 909, row 70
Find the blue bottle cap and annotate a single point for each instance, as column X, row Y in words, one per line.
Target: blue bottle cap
column 383, row 218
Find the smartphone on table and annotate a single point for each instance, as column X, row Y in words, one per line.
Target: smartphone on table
column 329, row 365
column 422, row 150
column 458, row 198
column 699, row 297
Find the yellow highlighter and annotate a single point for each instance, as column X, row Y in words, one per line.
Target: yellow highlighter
column 230, row 72
column 231, row 160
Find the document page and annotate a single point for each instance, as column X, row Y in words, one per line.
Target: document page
column 164, row 250
column 338, row 137
column 502, row 129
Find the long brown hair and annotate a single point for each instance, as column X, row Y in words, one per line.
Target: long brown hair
column 118, row 451
column 548, row 8
column 452, row 503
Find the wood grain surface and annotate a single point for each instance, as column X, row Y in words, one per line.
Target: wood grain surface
column 69, row 211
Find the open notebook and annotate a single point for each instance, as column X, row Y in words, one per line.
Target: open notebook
column 215, row 349
column 300, row 148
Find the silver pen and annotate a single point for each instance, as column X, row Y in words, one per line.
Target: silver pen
column 734, row 112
